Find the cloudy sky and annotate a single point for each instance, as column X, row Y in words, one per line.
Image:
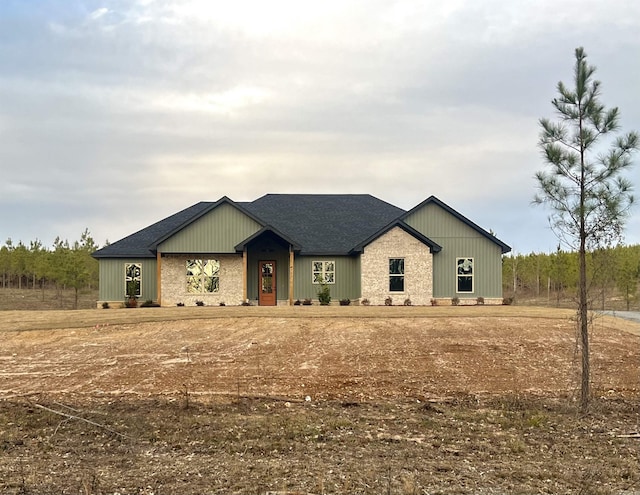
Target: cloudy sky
column 117, row 113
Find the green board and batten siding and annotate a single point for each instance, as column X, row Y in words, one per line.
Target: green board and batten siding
column 112, row 286
column 347, row 277
column 459, row 240
column 217, row 232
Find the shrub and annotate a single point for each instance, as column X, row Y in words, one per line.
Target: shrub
column 345, row 302
column 307, row 302
column 507, row 301
column 365, row 302
column 222, row 303
column 455, row 301
column 324, row 294
column 199, row 303
column 388, row 301
column 407, row 302
column 480, row 300
column 105, row 305
column 297, row 303
column 434, row 301
column 246, row 303
column 180, row 304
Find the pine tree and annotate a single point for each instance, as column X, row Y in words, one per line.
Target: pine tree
column 585, row 189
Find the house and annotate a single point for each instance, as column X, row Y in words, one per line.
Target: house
column 281, row 247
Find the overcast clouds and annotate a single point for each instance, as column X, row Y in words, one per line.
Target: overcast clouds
column 115, row 114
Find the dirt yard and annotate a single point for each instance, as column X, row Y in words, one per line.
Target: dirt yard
column 315, row 400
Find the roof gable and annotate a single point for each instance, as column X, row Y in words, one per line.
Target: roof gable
column 433, row 246
column 409, row 217
column 144, row 243
column 217, row 229
column 314, row 224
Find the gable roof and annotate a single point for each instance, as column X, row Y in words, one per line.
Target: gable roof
column 267, row 230
column 141, row 244
column 314, row 224
column 433, row 246
column 433, row 200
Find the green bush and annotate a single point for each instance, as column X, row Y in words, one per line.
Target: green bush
column 324, row 294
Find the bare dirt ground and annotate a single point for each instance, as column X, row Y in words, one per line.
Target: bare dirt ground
column 315, row 400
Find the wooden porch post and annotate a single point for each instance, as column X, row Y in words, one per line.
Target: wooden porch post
column 159, row 277
column 244, row 274
column 290, row 275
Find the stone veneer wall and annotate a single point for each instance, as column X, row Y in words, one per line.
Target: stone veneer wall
column 418, row 269
column 174, row 281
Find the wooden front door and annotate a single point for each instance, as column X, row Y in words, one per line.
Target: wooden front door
column 267, row 289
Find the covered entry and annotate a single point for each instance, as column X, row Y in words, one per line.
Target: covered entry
column 268, row 268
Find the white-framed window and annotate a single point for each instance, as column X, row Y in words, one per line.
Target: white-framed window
column 203, row 276
column 396, row 274
column 324, row 272
column 464, row 274
column 133, row 279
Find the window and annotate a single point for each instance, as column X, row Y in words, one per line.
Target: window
column 203, row 276
column 133, row 279
column 324, row 272
column 396, row 274
column 465, row 274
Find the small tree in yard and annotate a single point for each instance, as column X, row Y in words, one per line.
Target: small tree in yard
column 583, row 184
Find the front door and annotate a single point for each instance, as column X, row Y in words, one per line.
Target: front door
column 267, row 289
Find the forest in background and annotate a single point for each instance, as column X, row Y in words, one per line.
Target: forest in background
column 64, row 266
column 535, row 278
column 552, row 279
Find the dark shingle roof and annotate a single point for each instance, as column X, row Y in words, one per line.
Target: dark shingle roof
column 142, row 243
column 316, row 224
column 325, row 223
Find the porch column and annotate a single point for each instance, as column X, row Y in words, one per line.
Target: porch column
column 290, row 275
column 159, row 277
column 244, row 274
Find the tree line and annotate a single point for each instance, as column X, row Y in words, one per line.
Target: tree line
column 611, row 272
column 63, row 266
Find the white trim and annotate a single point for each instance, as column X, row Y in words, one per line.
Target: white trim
column 323, row 272
column 472, row 274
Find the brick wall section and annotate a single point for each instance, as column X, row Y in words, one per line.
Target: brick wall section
column 174, row 282
column 418, row 269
